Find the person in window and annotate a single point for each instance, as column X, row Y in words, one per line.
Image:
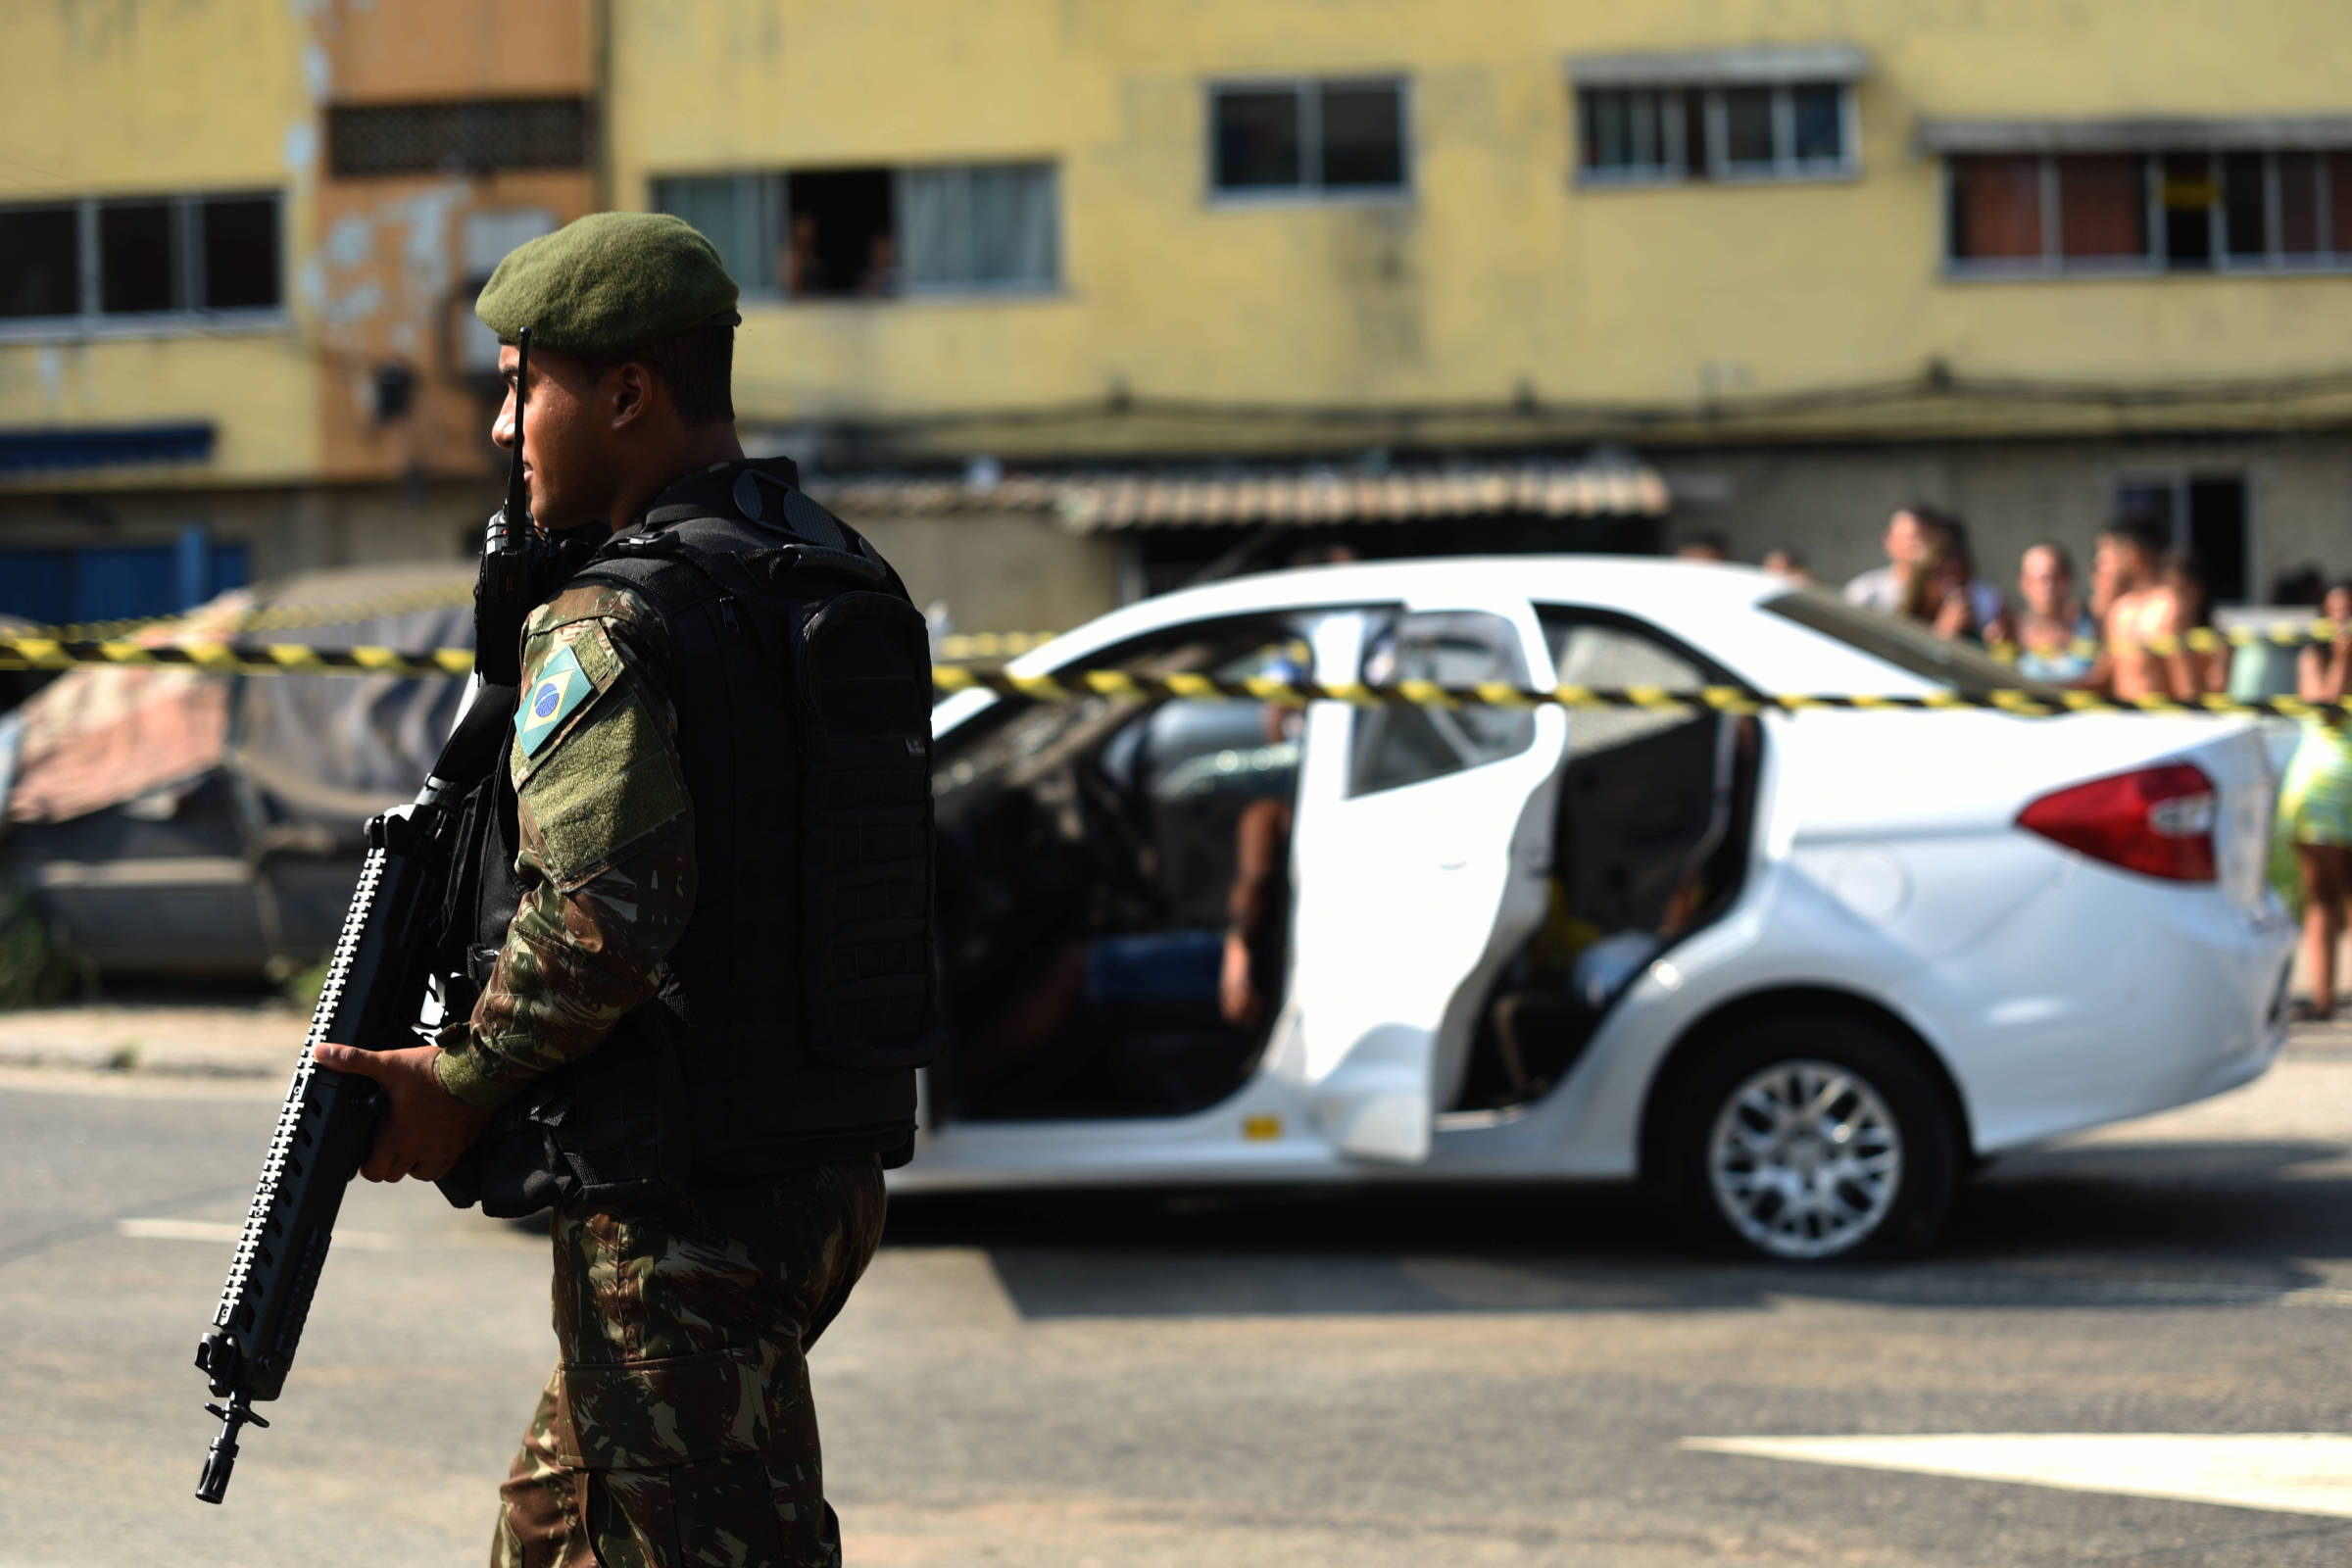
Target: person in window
column 2056, row 638
column 1709, row 546
column 804, row 269
column 1787, row 565
column 2315, row 802
column 881, row 274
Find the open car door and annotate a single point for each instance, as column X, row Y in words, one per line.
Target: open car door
column 1420, row 856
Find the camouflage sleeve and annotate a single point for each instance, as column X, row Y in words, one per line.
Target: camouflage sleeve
column 605, row 845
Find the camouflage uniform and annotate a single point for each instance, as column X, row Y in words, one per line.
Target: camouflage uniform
column 677, row 1427
column 605, row 837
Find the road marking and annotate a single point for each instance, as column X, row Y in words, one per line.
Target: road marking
column 205, row 1230
column 2285, row 1472
column 1939, row 1288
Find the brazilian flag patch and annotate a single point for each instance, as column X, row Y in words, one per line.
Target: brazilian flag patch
column 562, row 687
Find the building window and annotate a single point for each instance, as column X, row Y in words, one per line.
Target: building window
column 977, row 227
column 875, row 232
column 1331, row 139
column 153, row 256
column 473, row 137
column 1633, row 136
column 40, row 262
column 2206, row 514
column 487, row 234
column 2177, row 212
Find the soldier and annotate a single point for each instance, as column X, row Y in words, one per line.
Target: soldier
column 696, row 929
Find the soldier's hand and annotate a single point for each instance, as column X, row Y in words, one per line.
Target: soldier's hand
column 425, row 1129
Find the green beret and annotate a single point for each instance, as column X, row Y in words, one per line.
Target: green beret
column 607, row 283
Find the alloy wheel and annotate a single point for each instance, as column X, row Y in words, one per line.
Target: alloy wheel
column 1805, row 1159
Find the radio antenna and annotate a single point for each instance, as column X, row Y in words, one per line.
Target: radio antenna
column 502, row 593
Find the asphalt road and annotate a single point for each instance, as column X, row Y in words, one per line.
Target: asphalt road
column 1506, row 1378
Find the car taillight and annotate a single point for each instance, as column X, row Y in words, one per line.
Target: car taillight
column 2154, row 820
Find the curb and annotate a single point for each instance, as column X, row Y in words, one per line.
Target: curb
column 167, row 1059
column 149, row 1059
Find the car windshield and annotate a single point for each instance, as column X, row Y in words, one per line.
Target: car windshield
column 1965, row 668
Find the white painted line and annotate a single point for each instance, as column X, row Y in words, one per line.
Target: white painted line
column 203, row 1230
column 2286, row 1472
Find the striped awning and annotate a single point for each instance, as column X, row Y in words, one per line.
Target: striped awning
column 1303, row 497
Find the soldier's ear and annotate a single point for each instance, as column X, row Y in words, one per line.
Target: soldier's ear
column 631, row 387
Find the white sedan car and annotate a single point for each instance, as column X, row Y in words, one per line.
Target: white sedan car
column 1798, row 971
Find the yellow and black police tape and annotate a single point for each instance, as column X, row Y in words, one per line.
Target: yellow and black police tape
column 231, row 659
column 958, row 646
column 1073, row 685
column 278, row 618
column 2200, row 639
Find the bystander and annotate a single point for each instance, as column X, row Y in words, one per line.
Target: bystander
column 2190, row 670
column 1988, row 609
column 1935, row 594
column 2315, row 805
column 2057, row 640
column 1913, row 533
column 2133, row 612
column 1908, row 533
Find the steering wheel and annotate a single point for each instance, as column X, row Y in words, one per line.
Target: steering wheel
column 1113, row 841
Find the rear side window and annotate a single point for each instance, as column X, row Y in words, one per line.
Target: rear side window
column 1906, row 645
column 1611, row 655
column 1398, row 745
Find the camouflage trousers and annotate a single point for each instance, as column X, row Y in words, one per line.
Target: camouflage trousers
column 678, row 1428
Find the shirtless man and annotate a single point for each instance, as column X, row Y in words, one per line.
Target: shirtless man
column 2138, row 611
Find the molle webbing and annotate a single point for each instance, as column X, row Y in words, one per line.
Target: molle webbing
column 801, row 677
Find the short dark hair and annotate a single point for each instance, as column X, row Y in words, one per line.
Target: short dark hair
column 1955, row 535
column 1930, row 515
column 698, row 366
column 2136, row 531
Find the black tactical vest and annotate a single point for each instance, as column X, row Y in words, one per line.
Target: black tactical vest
column 802, row 998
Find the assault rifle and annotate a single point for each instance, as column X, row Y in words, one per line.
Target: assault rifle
column 374, row 996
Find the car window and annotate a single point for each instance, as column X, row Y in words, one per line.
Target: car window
column 1014, row 742
column 1906, row 645
column 1398, row 745
column 1611, row 654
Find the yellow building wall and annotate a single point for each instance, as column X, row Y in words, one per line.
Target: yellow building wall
column 127, row 100
column 388, row 276
column 398, row 51
column 163, row 99
column 1499, row 278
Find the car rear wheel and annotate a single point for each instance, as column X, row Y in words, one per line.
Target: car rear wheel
column 1811, row 1138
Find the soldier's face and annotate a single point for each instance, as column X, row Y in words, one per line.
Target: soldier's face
column 567, row 461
